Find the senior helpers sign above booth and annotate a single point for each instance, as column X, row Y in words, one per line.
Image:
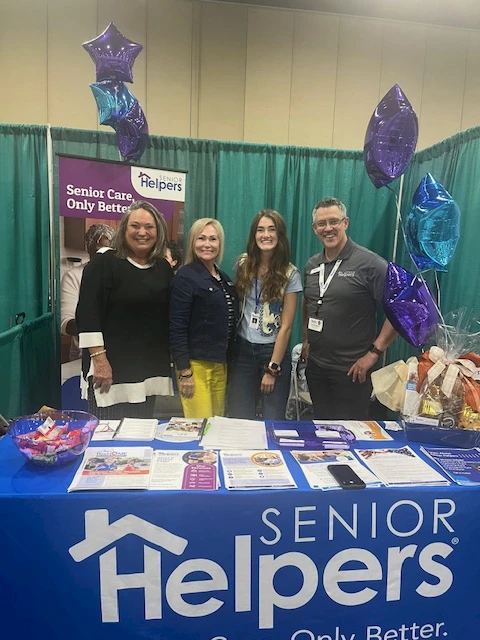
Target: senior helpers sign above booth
column 91, row 188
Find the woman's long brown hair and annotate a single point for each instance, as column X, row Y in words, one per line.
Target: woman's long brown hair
column 275, row 279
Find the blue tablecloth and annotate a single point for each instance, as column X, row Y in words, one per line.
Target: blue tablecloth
column 377, row 564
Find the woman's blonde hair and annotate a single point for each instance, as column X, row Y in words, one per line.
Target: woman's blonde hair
column 276, row 279
column 196, row 230
column 118, row 243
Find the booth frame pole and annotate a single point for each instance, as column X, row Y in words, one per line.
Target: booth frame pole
column 52, row 280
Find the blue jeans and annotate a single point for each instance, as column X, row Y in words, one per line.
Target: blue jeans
column 244, row 378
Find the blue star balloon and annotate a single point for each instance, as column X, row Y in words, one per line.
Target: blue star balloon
column 113, row 55
column 391, row 138
column 132, row 133
column 113, row 100
column 433, row 225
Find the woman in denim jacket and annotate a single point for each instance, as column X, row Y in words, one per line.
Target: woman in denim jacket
column 203, row 316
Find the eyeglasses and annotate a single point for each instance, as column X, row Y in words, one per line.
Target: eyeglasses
column 333, row 222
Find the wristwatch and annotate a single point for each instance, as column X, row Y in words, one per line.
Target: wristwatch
column 274, row 366
column 373, row 349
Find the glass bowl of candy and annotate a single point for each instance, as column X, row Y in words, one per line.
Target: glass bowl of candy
column 53, row 438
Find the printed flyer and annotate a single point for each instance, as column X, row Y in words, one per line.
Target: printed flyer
column 188, row 470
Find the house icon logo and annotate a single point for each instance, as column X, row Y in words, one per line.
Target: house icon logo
column 99, row 533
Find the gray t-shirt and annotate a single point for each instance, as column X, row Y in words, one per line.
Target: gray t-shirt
column 294, row 285
column 349, row 308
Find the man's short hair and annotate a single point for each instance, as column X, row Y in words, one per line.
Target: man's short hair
column 329, row 202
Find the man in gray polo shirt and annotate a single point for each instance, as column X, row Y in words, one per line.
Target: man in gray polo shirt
column 343, row 287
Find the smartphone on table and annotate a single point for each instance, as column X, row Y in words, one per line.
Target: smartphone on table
column 346, row 476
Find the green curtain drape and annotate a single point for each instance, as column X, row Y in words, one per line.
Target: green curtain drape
column 228, row 181
column 24, row 242
column 29, row 376
column 29, row 373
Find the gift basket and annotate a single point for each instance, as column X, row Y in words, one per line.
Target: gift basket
column 444, row 407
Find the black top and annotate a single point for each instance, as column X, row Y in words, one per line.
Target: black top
column 129, row 306
column 202, row 318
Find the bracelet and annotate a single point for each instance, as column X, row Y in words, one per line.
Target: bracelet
column 272, row 372
column 98, row 353
column 185, row 376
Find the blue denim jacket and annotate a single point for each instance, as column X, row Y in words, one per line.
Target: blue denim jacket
column 199, row 316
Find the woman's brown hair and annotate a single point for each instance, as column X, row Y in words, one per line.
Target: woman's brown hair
column 275, row 279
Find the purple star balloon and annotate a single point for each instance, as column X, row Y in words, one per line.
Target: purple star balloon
column 409, row 305
column 432, row 228
column 113, row 100
column 132, row 133
column 391, row 138
column 113, row 55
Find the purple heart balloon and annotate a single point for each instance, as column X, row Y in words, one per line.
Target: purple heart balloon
column 132, row 133
column 113, row 55
column 409, row 305
column 432, row 228
column 391, row 138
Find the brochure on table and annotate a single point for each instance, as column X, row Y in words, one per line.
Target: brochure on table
column 314, row 466
column 400, row 467
column 461, row 465
column 246, row 470
column 113, row 468
column 137, row 429
column 188, row 470
column 362, row 430
column 181, row 430
column 230, row 433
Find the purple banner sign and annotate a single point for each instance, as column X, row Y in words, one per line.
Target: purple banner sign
column 91, row 188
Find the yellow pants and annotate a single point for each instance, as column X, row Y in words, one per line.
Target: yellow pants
column 210, row 388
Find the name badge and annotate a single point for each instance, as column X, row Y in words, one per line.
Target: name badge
column 315, row 324
column 254, row 320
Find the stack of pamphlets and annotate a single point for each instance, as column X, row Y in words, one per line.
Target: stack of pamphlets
column 461, row 465
column 311, row 436
column 230, row 433
column 181, row 430
column 245, row 470
column 189, row 470
column 114, row 468
column 400, row 467
column 137, row 429
column 314, row 466
column 368, row 430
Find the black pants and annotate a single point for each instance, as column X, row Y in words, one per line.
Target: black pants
column 335, row 396
column 121, row 410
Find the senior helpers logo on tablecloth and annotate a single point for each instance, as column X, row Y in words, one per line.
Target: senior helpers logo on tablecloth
column 244, row 590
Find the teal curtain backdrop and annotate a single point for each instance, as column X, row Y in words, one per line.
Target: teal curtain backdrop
column 227, row 181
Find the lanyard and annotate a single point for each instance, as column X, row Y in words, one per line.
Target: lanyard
column 258, row 295
column 322, row 285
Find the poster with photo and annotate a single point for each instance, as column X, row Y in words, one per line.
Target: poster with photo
column 93, row 195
